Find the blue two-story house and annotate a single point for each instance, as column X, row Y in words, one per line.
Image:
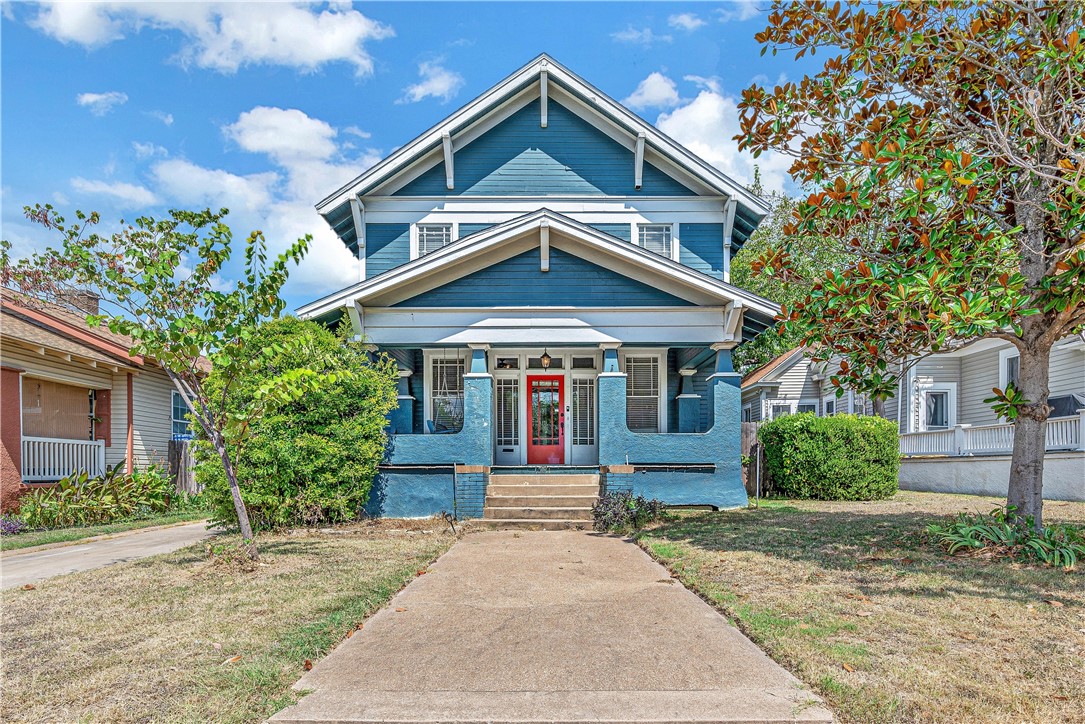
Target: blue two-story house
column 551, row 274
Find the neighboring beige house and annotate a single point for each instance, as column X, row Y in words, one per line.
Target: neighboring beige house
column 950, row 439
column 73, row 399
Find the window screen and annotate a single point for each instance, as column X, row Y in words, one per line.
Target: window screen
column 642, row 394
column 583, row 407
column 508, row 411
column 432, row 237
column 656, row 237
column 446, row 395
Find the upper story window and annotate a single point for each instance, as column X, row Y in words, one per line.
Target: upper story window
column 432, row 237
column 655, row 237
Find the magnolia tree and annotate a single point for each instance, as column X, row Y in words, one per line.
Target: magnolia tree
column 945, row 143
column 158, row 283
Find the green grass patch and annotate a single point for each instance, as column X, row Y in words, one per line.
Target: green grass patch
column 63, row 535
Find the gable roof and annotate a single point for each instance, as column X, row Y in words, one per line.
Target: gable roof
column 483, row 248
column 523, row 86
column 773, row 368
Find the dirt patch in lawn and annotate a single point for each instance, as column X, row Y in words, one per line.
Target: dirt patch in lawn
column 851, row 599
column 179, row 638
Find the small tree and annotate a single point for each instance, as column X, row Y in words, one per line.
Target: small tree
column 157, row 282
column 946, row 143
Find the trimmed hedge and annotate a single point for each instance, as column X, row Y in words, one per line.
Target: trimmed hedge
column 844, row 457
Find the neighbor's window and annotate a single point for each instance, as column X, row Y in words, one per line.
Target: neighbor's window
column 642, row 394
column 780, row 411
column 432, row 237
column 937, row 410
column 181, row 427
column 747, row 414
column 1012, row 369
column 808, row 407
column 655, row 237
column 830, row 408
column 446, row 395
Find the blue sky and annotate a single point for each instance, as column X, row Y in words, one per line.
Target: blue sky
column 132, row 108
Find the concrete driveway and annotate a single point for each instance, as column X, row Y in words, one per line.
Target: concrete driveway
column 18, row 568
column 560, row 626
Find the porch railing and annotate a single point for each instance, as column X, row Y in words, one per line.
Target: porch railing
column 1062, row 433
column 50, row 458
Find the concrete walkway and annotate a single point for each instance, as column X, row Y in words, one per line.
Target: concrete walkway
column 18, row 569
column 559, row 626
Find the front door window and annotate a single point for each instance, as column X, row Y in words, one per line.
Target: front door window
column 546, row 420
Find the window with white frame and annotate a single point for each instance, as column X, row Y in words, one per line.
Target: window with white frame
column 780, row 409
column 807, row 407
column 937, row 405
column 747, row 413
column 446, row 395
column 432, row 237
column 830, row 407
column 181, row 426
column 1009, row 367
column 642, row 393
column 655, row 237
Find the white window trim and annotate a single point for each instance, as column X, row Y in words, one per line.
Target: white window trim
column 635, row 235
column 455, row 232
column 173, row 420
column 661, row 358
column 1004, row 355
column 825, row 402
column 748, row 408
column 427, row 378
column 814, row 402
column 922, row 390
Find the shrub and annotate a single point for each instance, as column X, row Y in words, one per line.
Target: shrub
column 621, row 511
column 845, row 457
column 1001, row 534
column 82, row 500
column 312, row 461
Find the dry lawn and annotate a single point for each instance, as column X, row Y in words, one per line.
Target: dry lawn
column 156, row 639
column 851, row 599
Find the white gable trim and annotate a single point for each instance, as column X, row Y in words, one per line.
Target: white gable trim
column 558, row 78
column 485, row 247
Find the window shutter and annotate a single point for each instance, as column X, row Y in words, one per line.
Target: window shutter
column 642, row 394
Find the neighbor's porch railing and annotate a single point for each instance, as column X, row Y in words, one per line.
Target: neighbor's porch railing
column 51, row 458
column 1062, row 433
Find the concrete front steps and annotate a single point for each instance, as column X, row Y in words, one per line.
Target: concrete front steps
column 534, row 501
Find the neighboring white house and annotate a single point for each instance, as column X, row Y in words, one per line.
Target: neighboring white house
column 950, row 439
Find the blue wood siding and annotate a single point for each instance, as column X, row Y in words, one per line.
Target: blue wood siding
column 622, row 231
column 468, row 229
column 569, row 156
column 570, row 281
column 701, row 248
column 386, row 246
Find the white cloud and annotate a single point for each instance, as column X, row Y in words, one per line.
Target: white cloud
column 166, row 118
column 706, row 126
column 436, row 81
column 655, row 91
column 130, row 195
column 739, row 10
column 225, row 36
column 148, row 150
column 685, row 21
column 355, row 131
column 643, row 36
column 100, row 104
column 188, row 183
column 711, row 82
column 286, row 135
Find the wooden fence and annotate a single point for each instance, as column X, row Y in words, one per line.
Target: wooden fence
column 753, row 452
column 182, row 467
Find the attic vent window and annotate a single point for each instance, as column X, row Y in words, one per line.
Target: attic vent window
column 655, row 237
column 432, row 237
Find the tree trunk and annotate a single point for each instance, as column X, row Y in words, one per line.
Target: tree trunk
column 239, row 504
column 1029, row 435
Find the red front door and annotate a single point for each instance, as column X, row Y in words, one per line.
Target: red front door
column 546, row 419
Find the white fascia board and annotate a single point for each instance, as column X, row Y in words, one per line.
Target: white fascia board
column 591, row 96
column 590, row 243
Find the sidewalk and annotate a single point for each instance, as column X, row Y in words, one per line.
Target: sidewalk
column 18, row 568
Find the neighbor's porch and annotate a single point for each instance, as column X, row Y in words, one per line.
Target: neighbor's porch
column 63, row 430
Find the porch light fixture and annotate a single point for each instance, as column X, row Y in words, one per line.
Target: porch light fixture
column 545, row 360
